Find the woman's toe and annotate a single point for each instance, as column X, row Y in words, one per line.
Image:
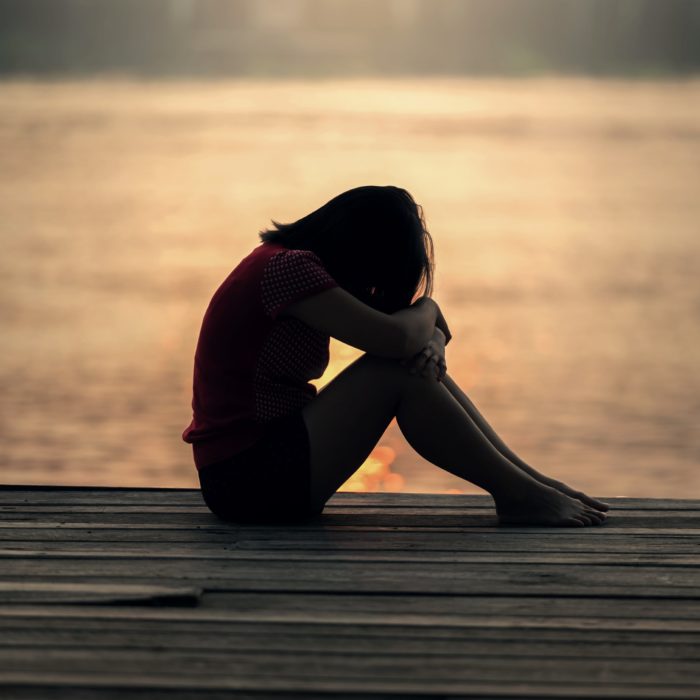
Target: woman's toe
column 601, row 516
column 595, row 503
column 593, row 515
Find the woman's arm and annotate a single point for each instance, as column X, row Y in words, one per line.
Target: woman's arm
column 441, row 323
column 341, row 315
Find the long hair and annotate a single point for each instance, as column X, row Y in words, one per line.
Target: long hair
column 372, row 240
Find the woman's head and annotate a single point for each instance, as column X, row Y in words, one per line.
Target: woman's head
column 372, row 240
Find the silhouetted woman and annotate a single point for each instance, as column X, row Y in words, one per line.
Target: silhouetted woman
column 268, row 447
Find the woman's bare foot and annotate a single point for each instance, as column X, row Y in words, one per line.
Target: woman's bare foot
column 579, row 495
column 545, row 505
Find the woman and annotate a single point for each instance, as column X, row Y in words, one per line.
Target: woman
column 268, row 447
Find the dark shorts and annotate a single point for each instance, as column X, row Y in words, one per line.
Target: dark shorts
column 266, row 483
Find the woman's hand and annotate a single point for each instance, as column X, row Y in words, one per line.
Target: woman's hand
column 431, row 359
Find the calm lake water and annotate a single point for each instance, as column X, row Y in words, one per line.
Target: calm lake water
column 565, row 215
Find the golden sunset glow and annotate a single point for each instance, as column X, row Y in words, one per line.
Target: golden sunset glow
column 375, row 473
column 563, row 211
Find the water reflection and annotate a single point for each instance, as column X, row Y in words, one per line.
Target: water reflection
column 564, row 214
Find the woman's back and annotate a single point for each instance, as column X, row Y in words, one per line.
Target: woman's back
column 252, row 364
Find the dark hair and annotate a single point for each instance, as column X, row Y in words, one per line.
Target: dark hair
column 372, row 240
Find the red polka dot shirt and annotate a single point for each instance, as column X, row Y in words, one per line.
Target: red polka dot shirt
column 252, row 365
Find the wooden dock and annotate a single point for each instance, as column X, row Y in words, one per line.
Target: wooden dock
column 142, row 593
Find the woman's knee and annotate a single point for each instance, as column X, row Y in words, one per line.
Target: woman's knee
column 399, row 367
column 369, row 377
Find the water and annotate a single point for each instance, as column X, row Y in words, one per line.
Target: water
column 564, row 213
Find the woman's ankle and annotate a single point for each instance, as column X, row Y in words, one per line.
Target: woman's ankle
column 516, row 491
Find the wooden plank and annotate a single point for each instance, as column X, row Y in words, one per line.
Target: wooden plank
column 216, row 528
column 340, row 616
column 532, row 585
column 548, row 540
column 464, row 521
column 106, row 593
column 37, row 512
column 532, row 649
column 380, row 671
column 479, row 645
column 150, row 692
column 374, row 557
column 192, row 664
column 88, row 692
column 93, row 491
column 38, row 627
column 341, row 689
column 349, row 543
column 446, row 518
column 230, row 533
column 426, row 611
column 51, row 495
column 456, row 607
column 338, row 508
column 438, row 500
column 400, row 577
column 352, row 638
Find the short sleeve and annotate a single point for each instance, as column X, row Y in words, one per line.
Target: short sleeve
column 291, row 275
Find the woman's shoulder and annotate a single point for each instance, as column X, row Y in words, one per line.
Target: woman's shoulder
column 257, row 259
column 271, row 266
column 279, row 259
column 267, row 249
column 292, row 274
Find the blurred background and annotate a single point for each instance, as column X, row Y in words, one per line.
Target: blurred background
column 553, row 145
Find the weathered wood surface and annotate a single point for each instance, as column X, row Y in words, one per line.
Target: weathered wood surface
column 108, row 593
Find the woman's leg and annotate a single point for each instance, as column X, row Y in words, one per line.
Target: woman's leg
column 496, row 441
column 349, row 415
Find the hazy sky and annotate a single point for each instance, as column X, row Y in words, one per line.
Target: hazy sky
column 341, row 37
